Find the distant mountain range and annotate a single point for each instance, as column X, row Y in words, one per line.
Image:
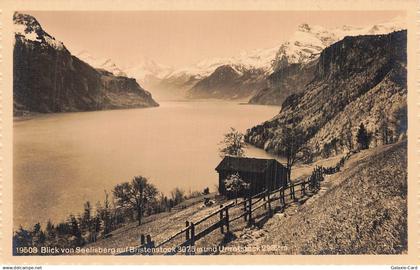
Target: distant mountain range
column 265, row 76
column 280, row 71
column 48, row 78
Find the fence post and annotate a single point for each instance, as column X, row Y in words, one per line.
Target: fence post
column 280, row 196
column 142, row 239
column 192, row 241
column 270, row 213
column 264, row 200
column 303, row 188
column 245, row 209
column 187, row 232
column 249, row 210
column 221, row 219
column 149, row 239
column 149, row 243
column 187, row 235
column 143, row 242
column 227, row 219
column 282, row 200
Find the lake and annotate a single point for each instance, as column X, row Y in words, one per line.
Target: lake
column 63, row 160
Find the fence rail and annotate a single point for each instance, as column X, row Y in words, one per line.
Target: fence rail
column 247, row 208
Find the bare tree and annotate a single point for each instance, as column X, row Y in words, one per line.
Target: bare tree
column 138, row 194
column 292, row 146
column 233, row 144
column 104, row 212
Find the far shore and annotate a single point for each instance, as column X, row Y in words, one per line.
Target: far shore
column 247, row 103
column 28, row 115
column 20, row 115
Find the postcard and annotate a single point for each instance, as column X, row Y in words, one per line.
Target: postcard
column 209, row 132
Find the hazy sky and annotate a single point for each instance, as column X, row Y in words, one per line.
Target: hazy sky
column 180, row 38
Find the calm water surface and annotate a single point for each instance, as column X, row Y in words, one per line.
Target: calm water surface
column 63, row 160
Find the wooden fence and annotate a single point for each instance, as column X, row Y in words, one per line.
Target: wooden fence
column 268, row 201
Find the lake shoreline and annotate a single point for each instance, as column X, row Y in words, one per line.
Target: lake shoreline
column 20, row 115
column 28, row 115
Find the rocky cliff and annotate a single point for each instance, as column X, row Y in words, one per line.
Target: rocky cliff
column 47, row 78
column 356, row 80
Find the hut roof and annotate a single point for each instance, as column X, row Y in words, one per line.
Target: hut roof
column 245, row 164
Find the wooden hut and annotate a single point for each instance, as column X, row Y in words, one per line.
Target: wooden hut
column 259, row 173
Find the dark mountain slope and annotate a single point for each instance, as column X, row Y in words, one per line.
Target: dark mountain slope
column 47, row 78
column 291, row 79
column 228, row 83
column 359, row 79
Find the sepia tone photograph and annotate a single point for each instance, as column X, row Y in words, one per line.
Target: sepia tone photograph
column 210, row 132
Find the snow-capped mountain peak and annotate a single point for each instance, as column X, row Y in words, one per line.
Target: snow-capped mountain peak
column 101, row 63
column 28, row 28
column 303, row 46
column 147, row 68
column 255, row 59
column 309, row 40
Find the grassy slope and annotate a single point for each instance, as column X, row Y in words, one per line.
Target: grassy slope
column 363, row 212
column 362, row 209
column 160, row 226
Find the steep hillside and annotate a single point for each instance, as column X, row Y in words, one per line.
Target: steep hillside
column 228, row 83
column 47, row 78
column 360, row 210
column 366, row 213
column 357, row 80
